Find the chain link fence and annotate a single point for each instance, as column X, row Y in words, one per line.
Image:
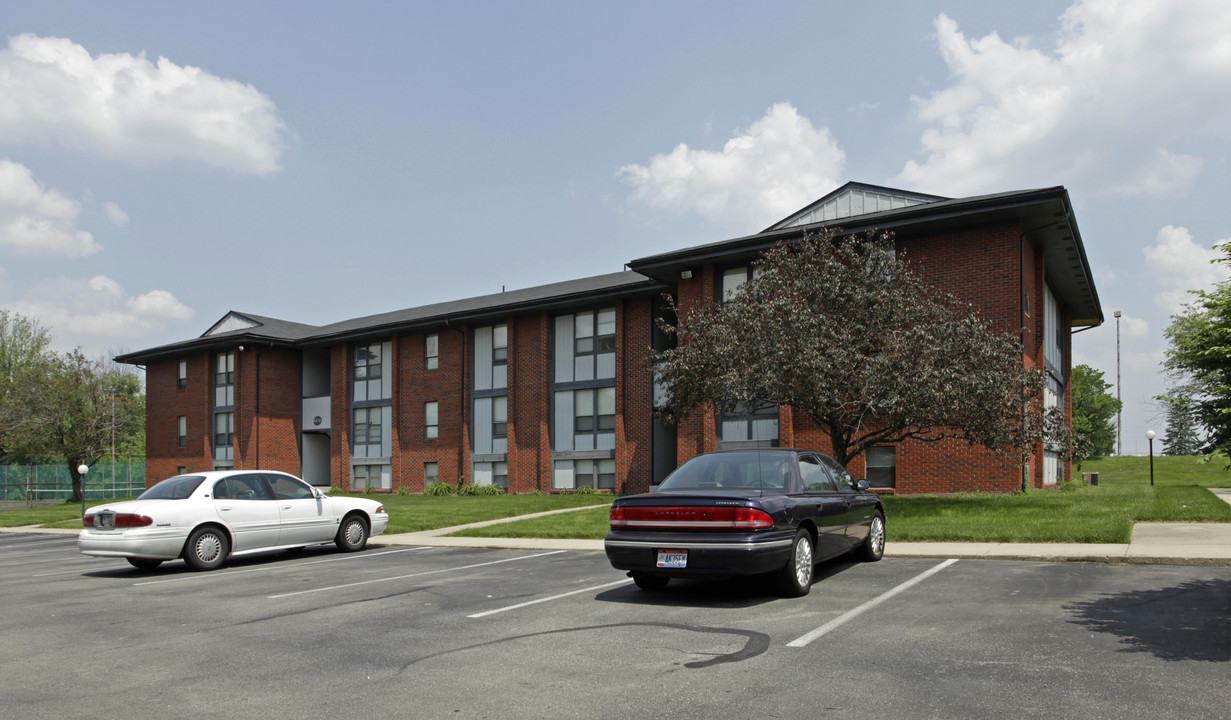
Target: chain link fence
column 28, row 486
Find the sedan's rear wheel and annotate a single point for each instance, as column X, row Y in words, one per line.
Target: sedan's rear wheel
column 206, row 548
column 352, row 535
column 144, row 563
column 873, row 547
column 795, row 580
column 651, row 582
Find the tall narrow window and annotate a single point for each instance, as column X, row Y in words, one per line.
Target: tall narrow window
column 181, row 381
column 431, row 474
column 182, row 431
column 224, row 430
column 882, row 466
column 372, row 381
column 431, row 352
column 500, row 417
column 431, row 419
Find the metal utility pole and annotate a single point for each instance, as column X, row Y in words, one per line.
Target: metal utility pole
column 1119, row 434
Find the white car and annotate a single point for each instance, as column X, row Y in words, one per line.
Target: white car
column 206, row 517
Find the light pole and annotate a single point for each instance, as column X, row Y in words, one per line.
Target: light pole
column 82, row 469
column 1150, row 437
column 1119, row 401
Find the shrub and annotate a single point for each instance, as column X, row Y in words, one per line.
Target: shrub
column 402, row 491
column 585, row 490
column 335, row 490
column 439, row 488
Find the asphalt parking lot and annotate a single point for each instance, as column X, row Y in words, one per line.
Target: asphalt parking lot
column 417, row 632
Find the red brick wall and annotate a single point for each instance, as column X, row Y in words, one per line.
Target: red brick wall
column 267, row 407
column 165, row 403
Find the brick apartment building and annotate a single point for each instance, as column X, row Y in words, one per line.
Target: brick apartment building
column 548, row 389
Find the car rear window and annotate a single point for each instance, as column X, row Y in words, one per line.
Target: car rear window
column 741, row 471
column 173, row 488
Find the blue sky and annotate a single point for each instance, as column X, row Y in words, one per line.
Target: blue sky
column 162, row 164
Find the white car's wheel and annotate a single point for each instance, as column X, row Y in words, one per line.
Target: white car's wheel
column 206, row 548
column 352, row 535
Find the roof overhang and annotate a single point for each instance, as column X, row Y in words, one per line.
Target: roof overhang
column 1045, row 217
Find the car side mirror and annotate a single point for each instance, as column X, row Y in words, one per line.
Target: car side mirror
column 863, row 484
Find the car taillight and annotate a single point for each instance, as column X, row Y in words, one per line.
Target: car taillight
column 130, row 520
column 686, row 517
column 87, row 520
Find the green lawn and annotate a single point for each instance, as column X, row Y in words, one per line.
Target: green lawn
column 1070, row 513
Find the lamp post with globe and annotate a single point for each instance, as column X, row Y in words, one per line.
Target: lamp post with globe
column 82, row 469
column 1150, row 437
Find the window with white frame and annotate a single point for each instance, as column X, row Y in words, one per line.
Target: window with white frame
column 585, row 347
column 585, row 419
column 181, row 424
column 732, row 280
column 431, row 419
column 759, row 425
column 224, row 380
column 431, row 474
column 431, row 352
column 181, row 381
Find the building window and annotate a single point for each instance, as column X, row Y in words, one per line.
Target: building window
column 181, row 381
column 181, row 470
column 432, row 352
column 594, row 345
column 571, row 474
column 500, row 418
column 732, row 280
column 491, row 420
column 739, row 425
column 181, row 423
column 224, row 434
column 585, row 419
column 431, row 474
column 882, row 466
column 374, row 477
column 492, row 473
column 491, row 357
column 372, row 376
column 370, row 431
column 224, row 380
column 431, row 419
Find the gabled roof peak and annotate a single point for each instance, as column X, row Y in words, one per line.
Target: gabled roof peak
column 853, row 199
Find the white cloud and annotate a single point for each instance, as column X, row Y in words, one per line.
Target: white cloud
column 99, row 312
column 1124, row 81
column 115, row 214
column 125, row 107
column 778, row 165
column 1177, row 264
column 37, row 220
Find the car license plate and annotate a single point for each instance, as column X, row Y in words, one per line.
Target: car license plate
column 105, row 520
column 672, row 558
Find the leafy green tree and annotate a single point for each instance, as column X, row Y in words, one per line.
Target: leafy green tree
column 1183, row 431
column 73, row 410
column 840, row 329
column 1093, row 412
column 24, row 351
column 1199, row 355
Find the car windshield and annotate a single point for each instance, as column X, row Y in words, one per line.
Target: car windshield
column 173, row 488
column 750, row 471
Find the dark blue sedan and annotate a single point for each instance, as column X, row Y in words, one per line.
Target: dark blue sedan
column 746, row 512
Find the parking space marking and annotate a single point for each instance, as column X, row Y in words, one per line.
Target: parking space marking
column 411, row 575
column 199, row 576
column 548, row 599
column 846, row 616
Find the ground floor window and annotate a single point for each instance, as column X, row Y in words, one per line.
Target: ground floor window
column 882, row 467
column 492, row 473
column 1051, row 468
column 371, row 477
column 759, row 425
column 572, row 474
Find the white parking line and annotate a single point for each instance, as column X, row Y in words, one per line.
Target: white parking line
column 418, row 574
column 270, row 568
column 548, row 599
column 844, row 617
